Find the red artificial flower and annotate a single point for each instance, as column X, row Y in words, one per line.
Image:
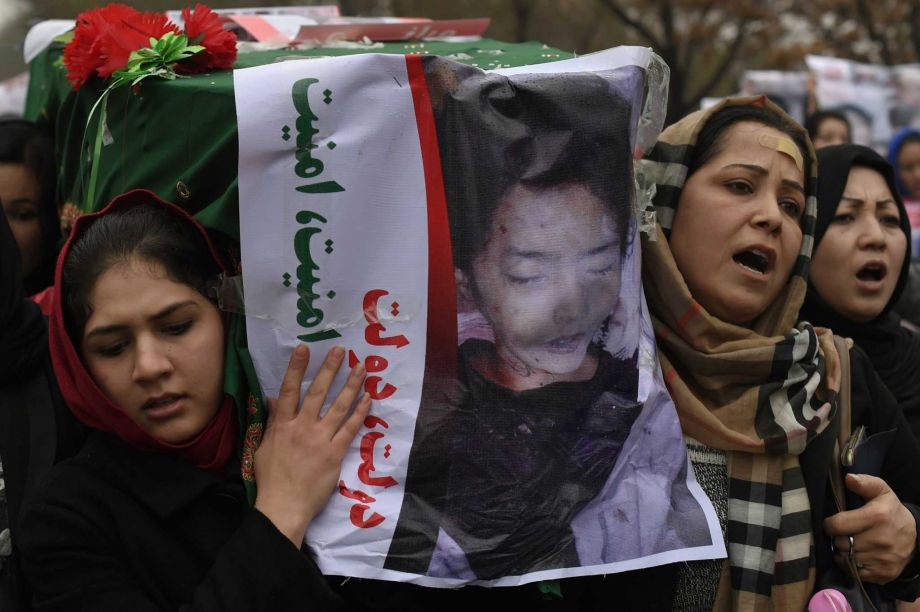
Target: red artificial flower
column 203, row 27
column 105, row 37
column 119, row 37
column 82, row 55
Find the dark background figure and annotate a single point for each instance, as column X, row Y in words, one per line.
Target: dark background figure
column 27, row 189
column 904, row 157
column 828, row 127
column 861, row 122
column 36, row 428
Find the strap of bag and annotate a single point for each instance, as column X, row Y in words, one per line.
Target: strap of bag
column 838, row 487
column 844, row 415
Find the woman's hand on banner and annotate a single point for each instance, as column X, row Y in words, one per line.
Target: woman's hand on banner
column 298, row 462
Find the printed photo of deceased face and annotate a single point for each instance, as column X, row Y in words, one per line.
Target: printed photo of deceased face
column 537, row 177
column 546, row 280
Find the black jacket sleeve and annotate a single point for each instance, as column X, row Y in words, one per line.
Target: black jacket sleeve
column 874, row 406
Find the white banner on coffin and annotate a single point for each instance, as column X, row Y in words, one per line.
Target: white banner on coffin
column 354, row 253
column 335, row 251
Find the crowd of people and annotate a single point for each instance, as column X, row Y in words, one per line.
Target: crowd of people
column 119, row 394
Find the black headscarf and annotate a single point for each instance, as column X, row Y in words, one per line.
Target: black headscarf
column 893, row 349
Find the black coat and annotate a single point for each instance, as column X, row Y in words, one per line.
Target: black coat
column 118, row 529
column 36, row 427
column 873, row 406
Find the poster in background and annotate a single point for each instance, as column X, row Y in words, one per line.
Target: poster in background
column 877, row 100
column 471, row 237
column 862, row 92
column 787, row 89
column 905, row 110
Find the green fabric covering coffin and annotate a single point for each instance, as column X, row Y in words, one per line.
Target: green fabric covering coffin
column 178, row 138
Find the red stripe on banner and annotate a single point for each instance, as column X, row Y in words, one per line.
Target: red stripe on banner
column 441, row 348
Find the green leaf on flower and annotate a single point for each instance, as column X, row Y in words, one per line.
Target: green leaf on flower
column 156, row 60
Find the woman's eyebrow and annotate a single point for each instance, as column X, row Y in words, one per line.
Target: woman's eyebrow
column 761, row 171
column 794, row 185
column 164, row 313
column 105, row 329
column 853, row 200
column 161, row 314
column 18, row 201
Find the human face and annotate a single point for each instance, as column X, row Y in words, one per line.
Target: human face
column 857, row 264
column 546, row 279
column 909, row 167
column 156, row 348
column 831, row 131
column 19, row 192
column 736, row 233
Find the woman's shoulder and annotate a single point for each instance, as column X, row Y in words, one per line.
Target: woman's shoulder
column 872, row 404
column 859, row 360
column 107, row 477
column 87, row 464
column 90, row 529
column 74, row 504
column 76, row 489
column 99, row 454
column 874, row 407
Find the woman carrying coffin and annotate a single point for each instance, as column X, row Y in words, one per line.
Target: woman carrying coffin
column 724, row 279
column 152, row 513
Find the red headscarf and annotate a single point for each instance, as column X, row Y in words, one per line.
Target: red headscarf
column 212, row 448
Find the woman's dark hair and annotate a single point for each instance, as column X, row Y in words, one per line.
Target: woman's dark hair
column 24, row 143
column 149, row 232
column 813, row 121
column 495, row 133
column 709, row 142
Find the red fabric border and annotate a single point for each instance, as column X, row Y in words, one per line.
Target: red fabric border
column 441, row 347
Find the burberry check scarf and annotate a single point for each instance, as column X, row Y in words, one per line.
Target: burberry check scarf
column 761, row 394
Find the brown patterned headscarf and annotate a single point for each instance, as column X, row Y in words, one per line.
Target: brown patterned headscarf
column 761, row 393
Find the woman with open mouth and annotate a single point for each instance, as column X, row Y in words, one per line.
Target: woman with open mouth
column 861, row 265
column 724, row 278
